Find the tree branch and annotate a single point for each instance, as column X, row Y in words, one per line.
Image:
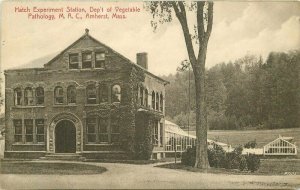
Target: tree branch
column 200, row 5
column 181, row 15
column 210, row 19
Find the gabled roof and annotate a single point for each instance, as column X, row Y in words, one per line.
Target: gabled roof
column 282, row 139
column 109, row 48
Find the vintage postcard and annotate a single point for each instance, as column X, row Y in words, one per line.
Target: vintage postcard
column 150, row 95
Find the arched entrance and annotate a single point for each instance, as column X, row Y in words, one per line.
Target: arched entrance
column 65, row 137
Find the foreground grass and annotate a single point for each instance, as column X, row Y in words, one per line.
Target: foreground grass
column 49, row 168
column 267, row 167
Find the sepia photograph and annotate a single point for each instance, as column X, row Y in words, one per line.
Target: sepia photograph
column 149, row 94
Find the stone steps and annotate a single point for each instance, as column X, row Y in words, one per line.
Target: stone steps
column 63, row 156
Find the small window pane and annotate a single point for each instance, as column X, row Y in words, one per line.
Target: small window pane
column 73, row 61
column 86, row 60
column 100, row 60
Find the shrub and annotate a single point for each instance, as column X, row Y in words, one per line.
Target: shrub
column 253, row 162
column 189, row 157
column 250, row 144
column 216, row 156
column 243, row 163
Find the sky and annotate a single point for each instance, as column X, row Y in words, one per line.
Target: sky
column 239, row 28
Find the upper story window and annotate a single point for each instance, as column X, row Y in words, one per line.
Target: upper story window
column 157, row 102
column 87, row 60
column 161, row 102
column 99, row 60
column 71, row 94
column 58, row 95
column 141, row 95
column 28, row 96
column 18, row 96
column 74, row 61
column 153, row 100
column 39, row 94
column 146, row 98
column 103, row 93
column 116, row 93
column 91, row 94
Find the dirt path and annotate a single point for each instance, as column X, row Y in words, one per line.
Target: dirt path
column 130, row 176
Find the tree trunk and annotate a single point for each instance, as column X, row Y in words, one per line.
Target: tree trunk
column 201, row 121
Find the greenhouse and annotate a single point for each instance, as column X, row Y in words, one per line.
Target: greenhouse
column 179, row 140
column 281, row 146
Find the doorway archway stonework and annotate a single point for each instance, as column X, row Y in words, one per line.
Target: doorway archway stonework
column 51, row 131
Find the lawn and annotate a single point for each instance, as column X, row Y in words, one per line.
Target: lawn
column 40, row 168
column 262, row 137
column 267, row 167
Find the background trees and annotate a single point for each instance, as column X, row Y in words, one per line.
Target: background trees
column 247, row 93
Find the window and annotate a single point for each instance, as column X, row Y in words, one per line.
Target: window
column 157, row 101
column 161, row 102
column 103, row 132
column 146, row 98
column 86, row 60
column 73, row 61
column 18, row 130
column 91, row 130
column 39, row 94
column 161, row 133
column 100, row 60
column 18, row 96
column 155, row 133
column 28, row 96
column 153, row 100
column 71, row 94
column 40, row 131
column 116, row 93
column 103, row 93
column 91, row 94
column 115, row 129
column 141, row 96
column 28, row 130
column 58, row 95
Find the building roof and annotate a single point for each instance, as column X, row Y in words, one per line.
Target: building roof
column 100, row 43
column 106, row 46
column 173, row 128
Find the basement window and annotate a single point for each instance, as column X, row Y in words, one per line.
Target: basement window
column 73, row 61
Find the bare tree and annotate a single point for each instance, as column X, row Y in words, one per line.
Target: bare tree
column 163, row 11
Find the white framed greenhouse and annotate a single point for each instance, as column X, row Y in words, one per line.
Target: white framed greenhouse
column 280, row 146
column 178, row 140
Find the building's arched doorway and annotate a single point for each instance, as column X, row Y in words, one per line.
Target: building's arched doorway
column 65, row 137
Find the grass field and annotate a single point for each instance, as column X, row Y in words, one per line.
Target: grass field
column 262, row 137
column 267, row 167
column 7, row 167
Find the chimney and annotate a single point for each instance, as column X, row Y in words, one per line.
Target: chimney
column 142, row 60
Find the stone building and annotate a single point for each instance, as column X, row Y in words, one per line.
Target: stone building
column 89, row 100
